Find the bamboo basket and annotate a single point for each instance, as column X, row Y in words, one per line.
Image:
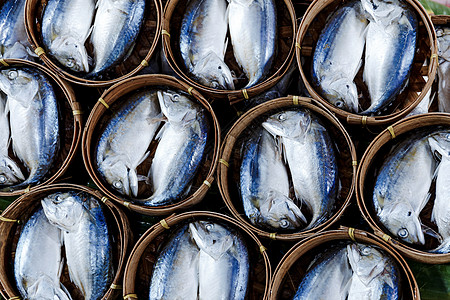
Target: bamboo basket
column 109, row 102
column 16, row 215
column 440, row 20
column 230, row 161
column 140, row 263
column 373, row 157
column 143, row 50
column 308, row 34
column 171, row 25
column 70, row 122
column 293, row 266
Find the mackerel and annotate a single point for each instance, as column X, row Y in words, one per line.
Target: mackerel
column 443, row 70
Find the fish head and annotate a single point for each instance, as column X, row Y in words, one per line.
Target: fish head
column 289, row 124
column 10, row 173
column 45, row 288
column 382, row 11
column 342, row 93
column 280, row 212
column 63, row 210
column 117, row 174
column 402, row 221
column 212, row 238
column 212, row 71
column 176, row 107
column 366, row 261
column 71, row 53
column 19, row 84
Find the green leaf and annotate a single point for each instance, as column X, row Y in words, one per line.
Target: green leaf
column 436, row 8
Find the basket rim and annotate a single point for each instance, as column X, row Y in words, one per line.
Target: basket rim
column 77, row 113
column 356, row 119
column 343, row 233
column 237, row 95
column 121, row 222
column 99, row 110
column 399, row 128
column 34, row 41
column 234, row 132
column 166, row 224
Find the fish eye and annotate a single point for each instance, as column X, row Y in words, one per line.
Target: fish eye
column 12, row 74
column 219, row 67
column 284, row 223
column 70, row 62
column 281, row 117
column 209, row 226
column 215, row 84
column 365, row 251
column 339, row 104
column 57, row 199
column 176, row 98
column 2, row 179
column 117, row 184
column 403, row 233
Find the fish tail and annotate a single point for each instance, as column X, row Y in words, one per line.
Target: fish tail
column 443, row 248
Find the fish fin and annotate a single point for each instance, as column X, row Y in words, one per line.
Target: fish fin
column 142, row 178
column 225, row 44
column 161, row 132
column 144, row 157
column 88, row 34
column 424, row 202
column 430, row 232
column 133, row 181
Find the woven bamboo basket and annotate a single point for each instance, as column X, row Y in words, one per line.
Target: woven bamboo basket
column 312, row 24
column 230, row 161
column 293, row 266
column 16, row 215
column 139, row 58
column 140, row 263
column 440, row 20
column 173, row 15
column 101, row 114
column 70, row 122
column 366, row 177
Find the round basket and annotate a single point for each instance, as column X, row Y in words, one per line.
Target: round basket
column 16, row 215
column 366, row 178
column 311, row 26
column 294, row 264
column 101, row 114
column 287, row 26
column 139, row 58
column 140, row 263
column 70, row 123
column 440, row 20
column 230, row 161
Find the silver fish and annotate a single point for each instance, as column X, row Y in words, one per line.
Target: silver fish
column 116, row 26
column 375, row 275
column 328, row 277
column 264, row 185
column 443, row 71
column 34, row 120
column 402, row 188
column 175, row 274
column 203, row 42
column 441, row 208
column 223, row 269
column 10, row 172
column 38, row 262
column 390, row 48
column 86, row 240
column 13, row 36
column 66, row 25
column 309, row 153
column 253, row 31
column 182, row 142
column 124, row 142
column 338, row 56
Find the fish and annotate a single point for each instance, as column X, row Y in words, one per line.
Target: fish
column 253, row 32
column 13, row 36
column 34, row 120
column 175, row 273
column 66, row 25
column 123, row 144
column 440, row 143
column 402, row 187
column 310, row 156
column 390, row 47
column 182, row 144
column 223, row 264
column 328, row 277
column 86, row 240
column 38, row 262
column 443, row 70
column 10, row 172
column 116, row 27
column 203, row 43
column 338, row 54
column 264, row 185
column 375, row 274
